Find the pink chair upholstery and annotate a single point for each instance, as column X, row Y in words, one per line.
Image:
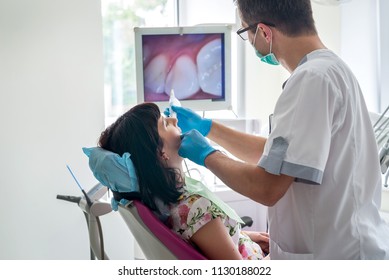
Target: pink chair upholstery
column 155, row 239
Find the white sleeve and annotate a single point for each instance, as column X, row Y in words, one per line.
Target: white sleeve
column 302, row 123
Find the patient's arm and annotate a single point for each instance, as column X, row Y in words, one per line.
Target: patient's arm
column 215, row 242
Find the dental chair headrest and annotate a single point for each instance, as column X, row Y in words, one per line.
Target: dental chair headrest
column 118, row 174
column 114, row 171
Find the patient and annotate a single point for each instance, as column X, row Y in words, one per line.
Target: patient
column 192, row 212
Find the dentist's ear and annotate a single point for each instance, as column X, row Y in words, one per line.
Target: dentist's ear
column 265, row 31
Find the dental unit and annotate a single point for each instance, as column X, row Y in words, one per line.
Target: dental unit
column 381, row 131
column 93, row 208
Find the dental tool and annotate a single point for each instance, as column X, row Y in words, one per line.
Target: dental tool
column 89, row 202
column 377, row 125
column 384, row 157
column 381, row 128
column 92, row 208
column 173, row 101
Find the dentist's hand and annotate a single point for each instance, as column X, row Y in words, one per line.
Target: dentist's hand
column 195, row 147
column 187, row 120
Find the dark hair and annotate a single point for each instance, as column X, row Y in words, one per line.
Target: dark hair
column 291, row 17
column 136, row 132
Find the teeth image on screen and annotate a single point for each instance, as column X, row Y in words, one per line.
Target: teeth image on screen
column 156, row 72
column 209, row 68
column 188, row 68
column 182, row 78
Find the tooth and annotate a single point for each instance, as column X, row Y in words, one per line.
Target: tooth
column 209, row 65
column 155, row 74
column 182, row 78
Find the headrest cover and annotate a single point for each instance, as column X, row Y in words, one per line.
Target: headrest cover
column 114, row 171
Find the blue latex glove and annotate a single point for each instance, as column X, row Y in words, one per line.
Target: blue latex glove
column 187, row 120
column 195, row 147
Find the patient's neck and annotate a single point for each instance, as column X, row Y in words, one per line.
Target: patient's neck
column 177, row 165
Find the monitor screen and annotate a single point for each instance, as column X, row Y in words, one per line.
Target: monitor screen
column 193, row 61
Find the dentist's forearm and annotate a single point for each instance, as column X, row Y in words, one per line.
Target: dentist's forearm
column 246, row 147
column 249, row 180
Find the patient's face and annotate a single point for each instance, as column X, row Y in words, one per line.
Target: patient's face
column 170, row 134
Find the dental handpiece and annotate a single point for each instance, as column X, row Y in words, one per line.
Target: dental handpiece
column 173, row 101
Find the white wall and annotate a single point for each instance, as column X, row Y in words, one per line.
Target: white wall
column 383, row 59
column 51, row 90
column 359, row 43
column 193, row 12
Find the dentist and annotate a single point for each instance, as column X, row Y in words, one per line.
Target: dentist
column 318, row 171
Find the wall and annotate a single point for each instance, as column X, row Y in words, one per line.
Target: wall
column 383, row 58
column 359, row 41
column 51, row 88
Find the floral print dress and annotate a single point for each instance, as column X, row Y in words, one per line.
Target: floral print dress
column 193, row 211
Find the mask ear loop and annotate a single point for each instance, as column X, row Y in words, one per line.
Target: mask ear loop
column 255, row 37
column 271, row 40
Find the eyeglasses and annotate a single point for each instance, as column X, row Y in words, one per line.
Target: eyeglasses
column 242, row 32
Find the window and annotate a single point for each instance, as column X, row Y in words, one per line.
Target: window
column 119, row 19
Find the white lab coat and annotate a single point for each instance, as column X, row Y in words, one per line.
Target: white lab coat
column 322, row 135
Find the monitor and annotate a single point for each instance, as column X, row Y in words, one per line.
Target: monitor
column 194, row 61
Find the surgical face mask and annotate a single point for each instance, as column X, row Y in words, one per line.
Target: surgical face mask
column 269, row 58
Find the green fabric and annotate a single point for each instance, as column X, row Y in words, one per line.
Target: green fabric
column 196, row 187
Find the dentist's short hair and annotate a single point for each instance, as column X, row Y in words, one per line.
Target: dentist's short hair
column 291, row 17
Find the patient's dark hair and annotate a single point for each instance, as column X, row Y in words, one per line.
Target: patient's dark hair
column 136, row 132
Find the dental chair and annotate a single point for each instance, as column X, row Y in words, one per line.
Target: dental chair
column 155, row 239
